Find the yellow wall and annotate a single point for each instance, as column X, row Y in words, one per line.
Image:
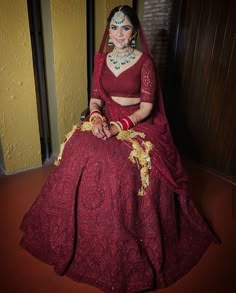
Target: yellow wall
column 49, row 71
column 69, row 50
column 19, row 131
column 100, row 21
column 140, row 9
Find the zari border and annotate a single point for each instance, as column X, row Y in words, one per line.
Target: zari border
column 139, row 154
column 84, row 126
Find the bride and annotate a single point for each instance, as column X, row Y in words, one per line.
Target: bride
column 115, row 211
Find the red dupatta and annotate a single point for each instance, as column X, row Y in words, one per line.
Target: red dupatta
column 170, row 165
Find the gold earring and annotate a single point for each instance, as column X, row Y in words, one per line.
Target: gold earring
column 133, row 43
column 110, row 43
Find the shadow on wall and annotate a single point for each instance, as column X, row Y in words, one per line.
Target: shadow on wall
column 159, row 50
column 163, row 56
column 1, row 159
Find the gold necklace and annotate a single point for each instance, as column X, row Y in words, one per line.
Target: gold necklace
column 121, row 58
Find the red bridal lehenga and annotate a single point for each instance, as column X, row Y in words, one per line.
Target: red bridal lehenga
column 116, row 213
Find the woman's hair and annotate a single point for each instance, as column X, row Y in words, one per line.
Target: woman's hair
column 128, row 12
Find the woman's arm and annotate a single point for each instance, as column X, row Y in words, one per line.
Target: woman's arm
column 143, row 112
column 95, row 104
column 99, row 125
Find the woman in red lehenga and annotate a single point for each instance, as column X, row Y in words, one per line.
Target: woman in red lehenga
column 115, row 212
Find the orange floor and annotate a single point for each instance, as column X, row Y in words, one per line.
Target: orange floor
column 21, row 273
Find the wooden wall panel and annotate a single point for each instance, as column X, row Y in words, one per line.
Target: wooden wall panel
column 204, row 121
column 156, row 22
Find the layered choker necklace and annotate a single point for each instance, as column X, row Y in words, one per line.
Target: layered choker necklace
column 119, row 58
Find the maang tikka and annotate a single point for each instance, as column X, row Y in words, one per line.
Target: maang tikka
column 119, row 17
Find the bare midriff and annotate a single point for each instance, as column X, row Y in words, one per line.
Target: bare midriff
column 126, row 101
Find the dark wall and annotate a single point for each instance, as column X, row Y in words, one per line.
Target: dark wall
column 157, row 15
column 201, row 89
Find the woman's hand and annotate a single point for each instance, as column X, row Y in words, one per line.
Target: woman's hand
column 110, row 131
column 101, row 129
column 98, row 129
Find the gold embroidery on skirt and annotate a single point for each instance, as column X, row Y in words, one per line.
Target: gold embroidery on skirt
column 62, row 146
column 140, row 153
column 84, row 126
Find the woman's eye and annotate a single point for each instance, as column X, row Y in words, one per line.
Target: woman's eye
column 126, row 28
column 113, row 27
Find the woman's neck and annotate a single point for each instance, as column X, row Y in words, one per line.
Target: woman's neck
column 121, row 50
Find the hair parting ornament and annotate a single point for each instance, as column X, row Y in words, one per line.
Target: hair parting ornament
column 119, row 17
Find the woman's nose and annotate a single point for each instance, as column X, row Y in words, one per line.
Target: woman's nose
column 120, row 33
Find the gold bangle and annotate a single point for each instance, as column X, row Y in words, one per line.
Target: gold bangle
column 94, row 117
column 117, row 124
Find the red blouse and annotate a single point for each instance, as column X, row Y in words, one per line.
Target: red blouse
column 136, row 81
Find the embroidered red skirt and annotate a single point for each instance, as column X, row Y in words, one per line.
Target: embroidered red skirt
column 90, row 224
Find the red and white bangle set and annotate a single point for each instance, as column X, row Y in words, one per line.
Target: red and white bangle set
column 124, row 124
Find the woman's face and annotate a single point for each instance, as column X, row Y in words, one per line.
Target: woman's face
column 120, row 34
